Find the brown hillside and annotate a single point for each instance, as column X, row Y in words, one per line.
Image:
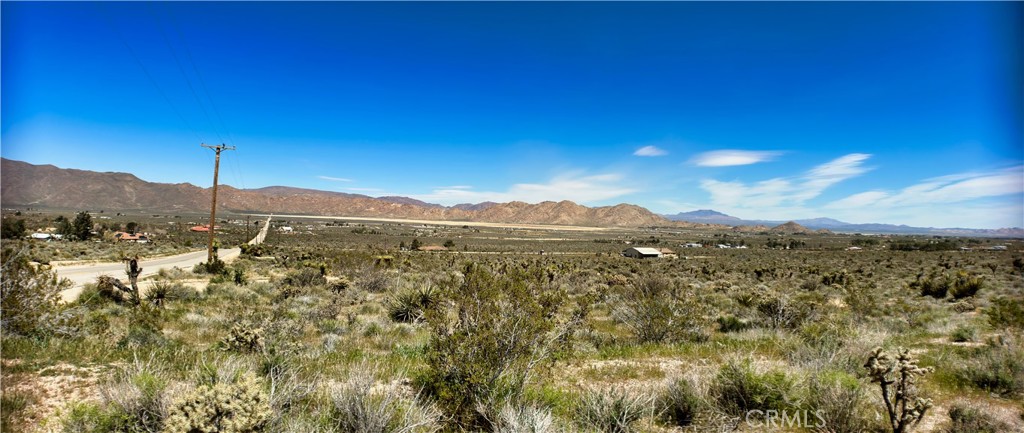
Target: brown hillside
column 26, row 184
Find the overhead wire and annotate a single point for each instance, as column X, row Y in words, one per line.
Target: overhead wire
column 184, row 75
column 152, row 80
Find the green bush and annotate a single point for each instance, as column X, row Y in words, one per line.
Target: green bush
column 838, row 400
column 966, row 285
column 408, row 305
column 935, row 286
column 732, row 324
column 738, row 388
column 966, row 418
column 304, row 277
column 137, row 399
column 612, row 411
column 963, row 333
column 488, row 333
column 656, row 310
column 1006, row 312
column 230, row 405
column 994, row 369
column 680, row 403
column 30, row 299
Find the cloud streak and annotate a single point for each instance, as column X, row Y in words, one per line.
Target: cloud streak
column 950, row 189
column 779, row 191
column 574, row 186
column 729, row 157
column 335, row 179
column 650, row 151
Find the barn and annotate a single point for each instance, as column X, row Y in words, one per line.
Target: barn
column 641, row 253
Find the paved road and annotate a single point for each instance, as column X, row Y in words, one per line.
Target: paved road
column 82, row 274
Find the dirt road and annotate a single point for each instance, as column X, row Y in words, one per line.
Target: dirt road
column 82, row 274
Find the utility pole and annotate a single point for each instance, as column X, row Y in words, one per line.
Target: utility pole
column 213, row 207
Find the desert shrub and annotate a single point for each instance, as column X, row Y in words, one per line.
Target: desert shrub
column 357, row 408
column 340, row 285
column 243, row 337
column 304, row 277
column 234, row 404
column 936, row 286
column 679, row 403
column 612, row 411
column 163, row 291
column 963, row 333
column 489, row 332
column 12, row 408
column 963, row 306
column 837, row 400
column 965, row 285
column 374, row 280
column 408, row 305
column 967, row 418
column 994, row 369
column 732, row 324
column 897, row 377
column 216, row 267
column 137, row 398
column 739, row 388
column 30, row 299
column 146, row 328
column 90, row 418
column 778, row 310
column 257, row 250
column 525, row 419
column 656, row 309
column 1006, row 312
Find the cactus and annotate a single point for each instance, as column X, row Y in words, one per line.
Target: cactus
column 896, row 378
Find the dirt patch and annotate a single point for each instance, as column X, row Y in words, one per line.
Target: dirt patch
column 52, row 389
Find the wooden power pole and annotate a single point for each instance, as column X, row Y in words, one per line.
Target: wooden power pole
column 210, row 256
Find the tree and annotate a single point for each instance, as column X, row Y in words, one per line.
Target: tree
column 13, row 229
column 63, row 225
column 30, row 298
column 415, row 245
column 449, row 243
column 131, row 227
column 81, row 228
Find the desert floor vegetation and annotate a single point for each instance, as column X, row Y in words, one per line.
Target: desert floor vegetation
column 336, row 328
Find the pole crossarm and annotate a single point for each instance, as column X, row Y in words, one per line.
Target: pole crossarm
column 210, row 256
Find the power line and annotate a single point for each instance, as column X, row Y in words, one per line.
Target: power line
column 142, row 66
column 181, row 69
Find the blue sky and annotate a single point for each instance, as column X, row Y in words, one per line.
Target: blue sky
column 906, row 113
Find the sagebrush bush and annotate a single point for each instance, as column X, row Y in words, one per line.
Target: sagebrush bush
column 304, row 277
column 839, row 400
column 657, row 310
column 137, row 397
column 613, row 411
column 1006, row 311
column 525, row 419
column 739, row 388
column 240, row 405
column 680, row 403
column 374, row 280
column 994, row 369
column 358, row 408
column 968, row 418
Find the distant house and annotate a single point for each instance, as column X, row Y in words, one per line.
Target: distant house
column 667, row 253
column 853, row 248
column 641, row 253
column 693, row 245
column 130, row 237
column 998, row 248
column 432, row 248
column 285, row 229
column 42, row 236
column 200, row 229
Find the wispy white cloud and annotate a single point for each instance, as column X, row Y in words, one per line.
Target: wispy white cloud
column 454, row 187
column 574, row 186
column 779, row 192
column 650, row 151
column 729, row 157
column 943, row 190
column 371, row 190
column 335, row 179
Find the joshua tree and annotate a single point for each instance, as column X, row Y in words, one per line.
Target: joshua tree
column 131, row 267
column 896, row 378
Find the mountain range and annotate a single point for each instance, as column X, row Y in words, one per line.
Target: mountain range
column 707, row 216
column 24, row 184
